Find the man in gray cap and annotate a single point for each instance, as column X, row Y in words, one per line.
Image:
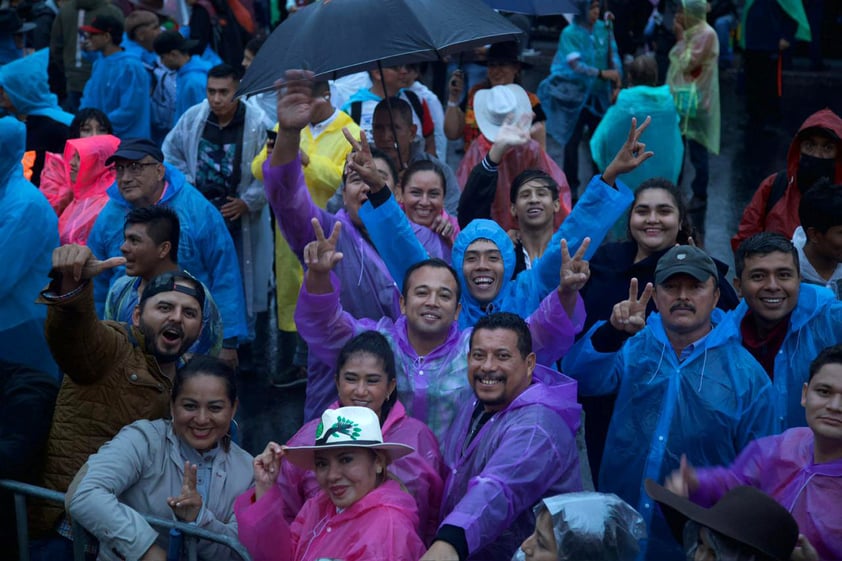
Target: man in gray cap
column 205, row 247
column 684, row 384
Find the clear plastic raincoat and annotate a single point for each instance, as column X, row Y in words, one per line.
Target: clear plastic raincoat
column 693, row 77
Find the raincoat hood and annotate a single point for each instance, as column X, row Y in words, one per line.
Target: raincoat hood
column 695, row 12
column 488, row 230
column 13, row 140
column 94, row 177
column 829, row 122
column 25, row 82
column 193, row 66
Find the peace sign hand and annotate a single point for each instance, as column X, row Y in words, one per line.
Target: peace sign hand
column 321, row 256
column 575, row 271
column 630, row 315
column 186, row 507
column 631, row 154
column 361, row 162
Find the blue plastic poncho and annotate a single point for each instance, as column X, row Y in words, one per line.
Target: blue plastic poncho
column 29, row 229
column 25, row 82
column 708, row 406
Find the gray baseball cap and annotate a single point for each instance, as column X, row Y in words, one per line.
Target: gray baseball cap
column 688, row 260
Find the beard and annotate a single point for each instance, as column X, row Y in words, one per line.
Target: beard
column 150, row 337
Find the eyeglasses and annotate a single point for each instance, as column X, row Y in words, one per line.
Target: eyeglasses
column 134, row 168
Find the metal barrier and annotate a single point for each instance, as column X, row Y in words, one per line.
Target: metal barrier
column 191, row 533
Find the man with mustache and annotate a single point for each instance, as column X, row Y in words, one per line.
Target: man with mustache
column 115, row 373
column 684, row 384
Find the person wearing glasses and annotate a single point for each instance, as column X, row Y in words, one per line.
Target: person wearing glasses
column 205, row 248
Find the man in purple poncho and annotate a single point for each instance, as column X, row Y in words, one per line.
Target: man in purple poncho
column 507, row 449
column 801, row 468
column 368, row 290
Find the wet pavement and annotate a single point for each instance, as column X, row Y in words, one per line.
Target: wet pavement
column 745, row 159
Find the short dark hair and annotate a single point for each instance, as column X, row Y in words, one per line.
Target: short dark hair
column 320, row 87
column 686, row 230
column 643, row 71
column 162, row 225
column 530, row 175
column 829, row 355
column 435, row 263
column 423, row 165
column 378, row 154
column 375, row 344
column 761, row 244
column 400, row 108
column 86, row 114
column 224, row 70
column 821, row 206
column 511, row 322
column 255, row 44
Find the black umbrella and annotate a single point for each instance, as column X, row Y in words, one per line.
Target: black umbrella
column 333, row 38
column 535, row 7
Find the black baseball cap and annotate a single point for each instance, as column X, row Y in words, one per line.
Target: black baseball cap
column 171, row 40
column 105, row 24
column 168, row 282
column 136, row 149
column 686, row 259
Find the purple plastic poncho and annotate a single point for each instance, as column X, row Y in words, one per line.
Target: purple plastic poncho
column 521, row 454
column 782, row 467
column 368, row 290
column 420, row 472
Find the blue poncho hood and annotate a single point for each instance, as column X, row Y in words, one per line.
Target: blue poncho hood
column 26, row 84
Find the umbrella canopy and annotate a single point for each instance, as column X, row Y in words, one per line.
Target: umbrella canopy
column 534, row 7
column 333, row 38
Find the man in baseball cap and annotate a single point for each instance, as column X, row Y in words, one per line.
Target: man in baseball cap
column 684, row 384
column 119, row 84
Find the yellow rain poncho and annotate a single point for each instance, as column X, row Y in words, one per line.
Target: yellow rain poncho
column 693, row 77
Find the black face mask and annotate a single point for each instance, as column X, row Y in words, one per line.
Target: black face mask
column 811, row 169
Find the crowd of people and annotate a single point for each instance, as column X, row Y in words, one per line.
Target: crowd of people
column 500, row 363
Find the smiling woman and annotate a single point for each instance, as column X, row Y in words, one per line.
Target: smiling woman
column 186, row 468
column 366, row 377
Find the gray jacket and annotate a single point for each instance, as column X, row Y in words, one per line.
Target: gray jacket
column 135, row 473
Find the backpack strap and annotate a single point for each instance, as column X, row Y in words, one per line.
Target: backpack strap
column 356, row 111
column 778, row 189
column 415, row 102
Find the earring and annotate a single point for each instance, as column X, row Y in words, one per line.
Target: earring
column 379, row 470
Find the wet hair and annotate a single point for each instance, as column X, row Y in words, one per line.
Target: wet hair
column 375, row 344
column 162, row 225
column 423, row 165
column 86, row 114
column 255, row 44
column 643, row 71
column 208, row 366
column 762, row 244
column 685, row 229
column 224, row 70
column 435, row 263
column 829, row 355
column 511, row 322
column 400, row 109
column 821, row 206
column 531, row 175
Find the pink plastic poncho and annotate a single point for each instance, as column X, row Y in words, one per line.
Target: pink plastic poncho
column 419, row 471
column 528, row 156
column 378, row 527
column 782, row 466
column 55, row 182
column 92, row 180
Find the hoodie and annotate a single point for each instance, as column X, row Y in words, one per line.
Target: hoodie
column 89, row 190
column 783, row 216
column 523, row 453
column 47, row 126
column 29, row 227
column 190, row 85
column 119, row 87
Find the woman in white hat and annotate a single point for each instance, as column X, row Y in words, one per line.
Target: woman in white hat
column 360, row 513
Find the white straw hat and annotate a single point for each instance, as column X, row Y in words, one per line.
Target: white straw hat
column 355, row 427
column 493, row 105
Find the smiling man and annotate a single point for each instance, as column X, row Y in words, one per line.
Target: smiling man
column 800, row 468
column 783, row 322
column 506, row 449
column 683, row 383
column 151, row 249
column 115, row 373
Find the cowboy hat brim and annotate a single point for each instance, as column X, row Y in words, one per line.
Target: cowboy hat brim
column 485, row 121
column 303, row 456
